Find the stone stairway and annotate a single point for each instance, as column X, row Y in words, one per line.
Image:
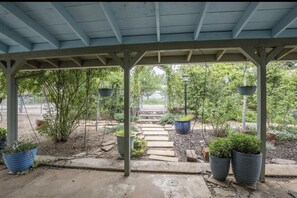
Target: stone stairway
column 150, row 115
column 159, row 146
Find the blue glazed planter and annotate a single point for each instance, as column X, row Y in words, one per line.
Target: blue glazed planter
column 182, row 127
column 19, row 162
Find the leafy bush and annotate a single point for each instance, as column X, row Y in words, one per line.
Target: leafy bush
column 120, row 117
column 120, row 127
column 3, row 134
column 245, row 143
column 140, row 146
column 167, row 119
column 285, row 135
column 121, row 132
column 19, row 147
column 185, row 118
column 220, row 147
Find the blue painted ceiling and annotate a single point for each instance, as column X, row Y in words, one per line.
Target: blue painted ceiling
column 34, row 26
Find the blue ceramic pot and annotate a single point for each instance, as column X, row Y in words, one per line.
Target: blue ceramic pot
column 19, row 162
column 182, row 127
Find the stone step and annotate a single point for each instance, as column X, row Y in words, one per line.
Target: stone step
column 163, row 158
column 148, row 120
column 150, row 125
column 150, row 115
column 160, row 144
column 161, row 152
column 155, row 133
column 156, row 138
column 152, row 129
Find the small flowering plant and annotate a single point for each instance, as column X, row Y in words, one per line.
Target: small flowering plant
column 21, row 146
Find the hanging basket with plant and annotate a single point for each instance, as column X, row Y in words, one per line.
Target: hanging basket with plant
column 105, row 90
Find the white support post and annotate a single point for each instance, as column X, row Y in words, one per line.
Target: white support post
column 261, row 59
column 127, row 64
column 127, row 152
column 261, row 107
column 12, row 100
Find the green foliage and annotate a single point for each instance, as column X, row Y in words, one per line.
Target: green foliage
column 3, row 134
column 167, row 119
column 149, row 81
column 140, row 146
column 120, row 117
column 185, row 118
column 153, row 101
column 287, row 134
column 19, row 147
column 122, row 132
column 120, row 127
column 245, row 143
column 220, row 147
column 67, row 91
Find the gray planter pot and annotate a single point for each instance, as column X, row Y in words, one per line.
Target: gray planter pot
column 246, row 167
column 121, row 142
column 247, row 90
column 219, row 167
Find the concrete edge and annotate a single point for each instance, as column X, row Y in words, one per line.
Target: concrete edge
column 100, row 164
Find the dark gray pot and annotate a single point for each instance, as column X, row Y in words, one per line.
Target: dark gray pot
column 219, row 167
column 247, row 90
column 246, row 167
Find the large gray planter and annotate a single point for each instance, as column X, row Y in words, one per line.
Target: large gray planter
column 121, row 142
column 246, row 167
column 219, row 167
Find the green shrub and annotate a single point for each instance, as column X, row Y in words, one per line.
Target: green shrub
column 285, row 135
column 121, row 132
column 245, row 143
column 3, row 134
column 19, row 147
column 185, row 118
column 140, row 146
column 120, row 117
column 167, row 119
column 120, row 127
column 220, row 147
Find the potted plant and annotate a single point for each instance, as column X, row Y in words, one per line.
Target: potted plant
column 246, row 157
column 183, row 124
column 105, row 90
column 3, row 134
column 220, row 154
column 19, row 156
column 121, row 140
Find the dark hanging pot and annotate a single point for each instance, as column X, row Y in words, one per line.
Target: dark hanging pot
column 247, row 90
column 105, row 92
column 295, row 115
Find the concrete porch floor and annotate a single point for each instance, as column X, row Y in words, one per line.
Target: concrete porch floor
column 104, row 178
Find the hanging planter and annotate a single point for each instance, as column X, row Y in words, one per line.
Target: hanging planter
column 247, row 90
column 294, row 114
column 105, row 92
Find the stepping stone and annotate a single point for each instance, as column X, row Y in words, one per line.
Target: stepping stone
column 161, row 152
column 107, row 148
column 283, row 161
column 151, row 126
column 153, row 129
column 160, row 144
column 191, row 156
column 157, row 138
column 163, row 158
column 141, row 136
column 108, row 143
column 155, row 133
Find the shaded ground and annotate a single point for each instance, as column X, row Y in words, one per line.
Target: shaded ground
column 57, row 182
